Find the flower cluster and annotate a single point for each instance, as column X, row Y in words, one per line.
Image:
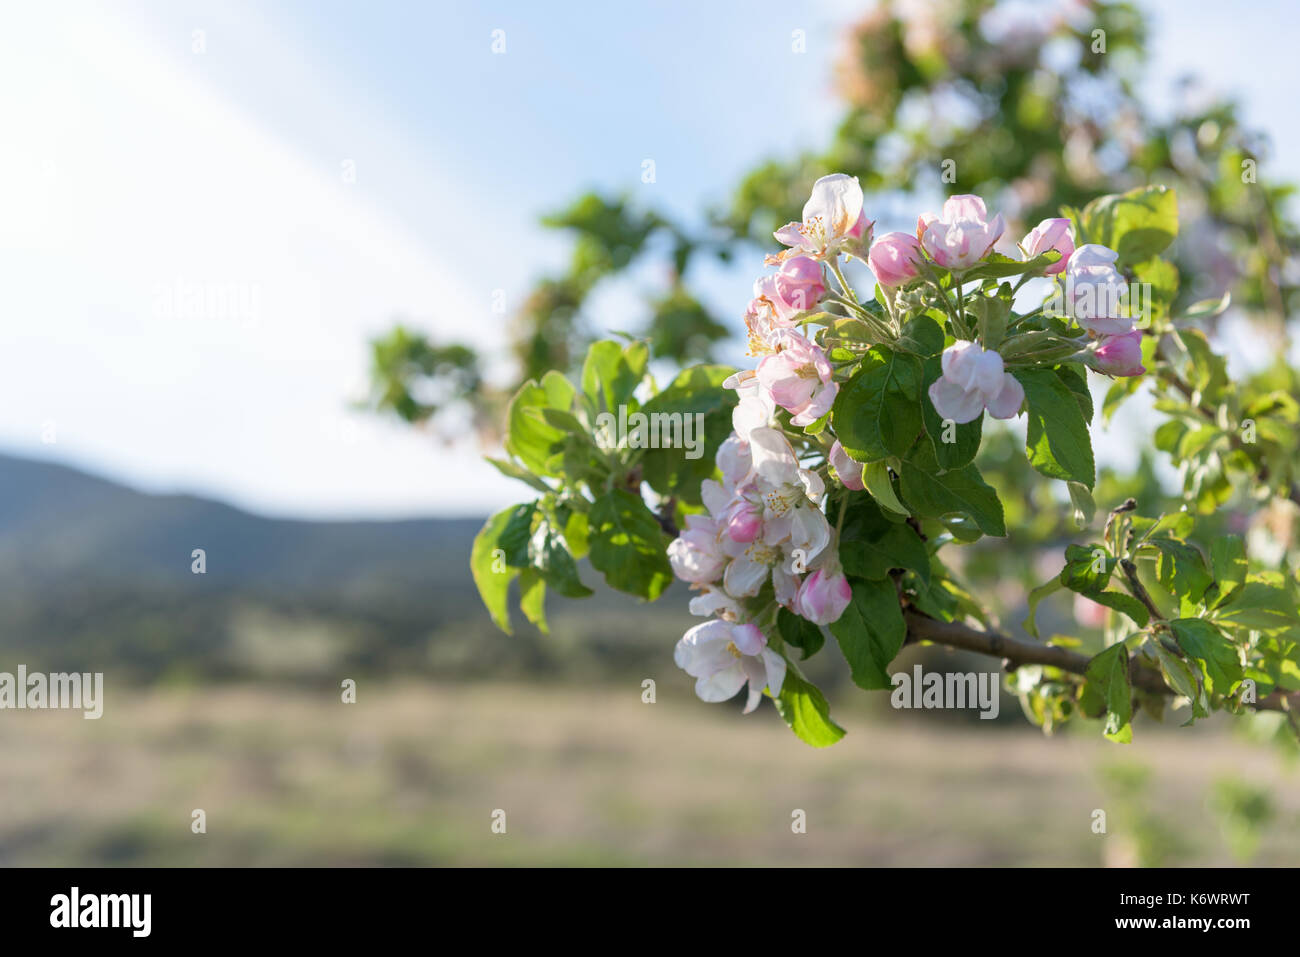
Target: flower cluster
column 763, row 545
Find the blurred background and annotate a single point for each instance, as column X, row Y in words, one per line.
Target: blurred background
column 272, row 271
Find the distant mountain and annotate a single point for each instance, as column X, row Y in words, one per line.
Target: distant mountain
column 96, row 576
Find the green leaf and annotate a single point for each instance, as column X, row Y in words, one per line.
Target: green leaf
column 799, row 632
column 871, row 632
column 1181, row 569
column 697, row 391
column 998, row 266
column 922, row 336
column 875, row 478
column 1160, row 278
column 876, row 414
column 532, row 598
column 1085, row 509
column 1258, row 606
column 627, row 545
column 1138, row 224
column 990, row 319
column 511, row 470
column 1087, row 568
column 805, row 710
column 491, row 574
column 954, row 445
column 1122, row 602
column 516, row 533
column 1108, row 687
column 1182, row 678
column 1203, row 642
column 549, row 554
column 1228, row 562
column 957, row 491
column 870, row 544
column 1057, row 440
column 611, row 372
column 1075, row 378
column 529, row 438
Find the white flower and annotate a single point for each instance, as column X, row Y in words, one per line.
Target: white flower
column 1095, row 291
column 974, row 380
column 791, row 496
column 962, row 235
column 756, row 409
column 833, row 219
column 723, row 657
column 696, row 554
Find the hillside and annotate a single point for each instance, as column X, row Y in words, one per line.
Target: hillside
column 97, row 576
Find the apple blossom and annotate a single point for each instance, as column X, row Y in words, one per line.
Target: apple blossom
column 723, row 657
column 1050, row 234
column 790, row 495
column 1118, row 355
column 744, row 520
column 974, row 380
column 893, row 258
column 833, row 221
column 696, row 554
column 798, row 286
column 749, row 565
column 734, row 461
column 1095, row 290
column 824, row 595
column 798, row 378
column 755, row 408
column 712, row 601
column 847, row 470
column 962, row 235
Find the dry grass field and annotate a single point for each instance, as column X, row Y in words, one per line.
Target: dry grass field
column 411, row 775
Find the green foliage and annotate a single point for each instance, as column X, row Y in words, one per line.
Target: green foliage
column 627, row 545
column 805, row 710
column 1057, row 440
column 678, row 470
column 877, row 412
column 1194, row 620
column 871, row 631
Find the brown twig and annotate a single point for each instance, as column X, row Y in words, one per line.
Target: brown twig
column 1016, row 652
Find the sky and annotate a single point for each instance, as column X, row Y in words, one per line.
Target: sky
column 207, row 209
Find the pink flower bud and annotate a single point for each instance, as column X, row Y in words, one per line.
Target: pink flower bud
column 823, row 596
column 1050, row 234
column 744, row 521
column 799, row 286
column 849, row 471
column 1119, row 355
column 893, row 258
column 962, row 234
column 798, row 377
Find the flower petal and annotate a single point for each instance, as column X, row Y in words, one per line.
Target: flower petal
column 1006, row 402
column 953, row 402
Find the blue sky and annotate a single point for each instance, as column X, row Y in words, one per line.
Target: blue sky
column 156, row 152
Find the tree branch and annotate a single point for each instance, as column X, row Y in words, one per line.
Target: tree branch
column 1139, row 590
column 1016, row 652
